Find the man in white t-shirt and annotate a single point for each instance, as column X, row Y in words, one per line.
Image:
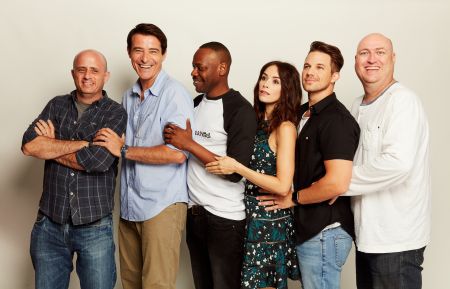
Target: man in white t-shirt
column 391, row 175
column 225, row 124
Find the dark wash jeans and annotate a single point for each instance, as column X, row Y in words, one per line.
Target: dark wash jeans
column 216, row 247
column 53, row 246
column 401, row 270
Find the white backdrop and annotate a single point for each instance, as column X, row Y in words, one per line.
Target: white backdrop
column 40, row 38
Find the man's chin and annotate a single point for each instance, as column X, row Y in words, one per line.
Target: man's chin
column 199, row 89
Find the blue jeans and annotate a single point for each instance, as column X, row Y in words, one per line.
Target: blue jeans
column 216, row 247
column 321, row 259
column 400, row 270
column 53, row 246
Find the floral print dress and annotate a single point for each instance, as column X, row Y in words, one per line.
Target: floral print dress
column 270, row 256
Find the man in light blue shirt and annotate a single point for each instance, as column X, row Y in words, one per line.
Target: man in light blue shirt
column 153, row 180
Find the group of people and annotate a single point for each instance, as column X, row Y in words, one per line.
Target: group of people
column 270, row 192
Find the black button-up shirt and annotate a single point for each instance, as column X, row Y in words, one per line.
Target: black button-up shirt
column 330, row 133
column 80, row 196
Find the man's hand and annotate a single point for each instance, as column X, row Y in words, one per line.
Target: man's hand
column 110, row 140
column 274, row 202
column 178, row 137
column 45, row 128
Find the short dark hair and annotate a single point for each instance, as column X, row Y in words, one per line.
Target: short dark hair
column 337, row 61
column 219, row 48
column 288, row 106
column 148, row 29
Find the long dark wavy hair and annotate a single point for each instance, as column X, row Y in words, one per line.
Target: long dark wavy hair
column 288, row 106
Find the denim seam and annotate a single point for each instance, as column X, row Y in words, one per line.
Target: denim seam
column 324, row 248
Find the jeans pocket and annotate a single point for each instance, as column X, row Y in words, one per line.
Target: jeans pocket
column 103, row 222
column 40, row 218
column 418, row 254
column 343, row 245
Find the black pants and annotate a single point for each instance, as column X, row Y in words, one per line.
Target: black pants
column 389, row 270
column 216, row 248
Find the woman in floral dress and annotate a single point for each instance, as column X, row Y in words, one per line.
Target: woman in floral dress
column 270, row 256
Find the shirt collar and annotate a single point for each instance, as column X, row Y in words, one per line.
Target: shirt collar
column 155, row 89
column 99, row 102
column 321, row 105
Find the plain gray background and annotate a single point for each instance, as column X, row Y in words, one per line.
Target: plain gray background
column 40, row 38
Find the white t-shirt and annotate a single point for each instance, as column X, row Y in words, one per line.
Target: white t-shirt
column 225, row 126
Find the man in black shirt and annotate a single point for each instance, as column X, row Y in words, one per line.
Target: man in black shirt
column 327, row 141
column 75, row 211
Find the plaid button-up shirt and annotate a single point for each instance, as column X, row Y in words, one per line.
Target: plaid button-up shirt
column 72, row 195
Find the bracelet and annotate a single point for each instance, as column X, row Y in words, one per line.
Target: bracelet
column 123, row 151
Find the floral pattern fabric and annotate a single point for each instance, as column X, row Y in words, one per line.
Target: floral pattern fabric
column 270, row 256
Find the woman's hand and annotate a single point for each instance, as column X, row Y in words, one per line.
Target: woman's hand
column 223, row 166
column 274, row 202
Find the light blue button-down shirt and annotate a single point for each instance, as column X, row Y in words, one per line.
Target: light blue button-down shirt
column 148, row 189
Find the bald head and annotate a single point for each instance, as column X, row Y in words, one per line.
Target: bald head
column 375, row 38
column 374, row 64
column 101, row 59
column 90, row 74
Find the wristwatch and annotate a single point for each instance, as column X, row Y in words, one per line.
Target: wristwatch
column 123, row 151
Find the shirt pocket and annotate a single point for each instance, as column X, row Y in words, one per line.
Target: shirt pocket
column 371, row 139
column 87, row 131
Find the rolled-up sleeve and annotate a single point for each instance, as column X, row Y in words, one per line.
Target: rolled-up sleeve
column 46, row 114
column 178, row 110
column 99, row 159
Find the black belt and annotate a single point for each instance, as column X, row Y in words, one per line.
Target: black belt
column 197, row 210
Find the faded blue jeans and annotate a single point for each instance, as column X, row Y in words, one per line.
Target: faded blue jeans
column 321, row 258
column 53, row 246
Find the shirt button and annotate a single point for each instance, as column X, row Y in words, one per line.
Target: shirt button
column 72, row 174
column 71, row 193
column 75, row 122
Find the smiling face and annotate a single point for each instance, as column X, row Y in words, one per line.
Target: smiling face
column 317, row 75
column 270, row 86
column 207, row 71
column 374, row 61
column 89, row 75
column 146, row 58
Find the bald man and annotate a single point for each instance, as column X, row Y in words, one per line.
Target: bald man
column 390, row 182
column 75, row 210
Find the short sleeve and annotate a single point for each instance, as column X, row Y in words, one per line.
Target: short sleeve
column 339, row 137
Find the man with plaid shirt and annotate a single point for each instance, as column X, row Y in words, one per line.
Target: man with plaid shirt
column 75, row 210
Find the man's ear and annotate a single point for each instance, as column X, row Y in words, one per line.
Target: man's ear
column 335, row 76
column 223, row 68
column 107, row 74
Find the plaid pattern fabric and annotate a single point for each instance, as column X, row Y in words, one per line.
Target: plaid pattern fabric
column 80, row 196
